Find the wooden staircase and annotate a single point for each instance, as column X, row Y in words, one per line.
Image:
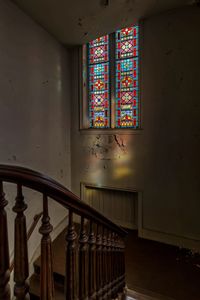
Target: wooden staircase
column 59, row 261
column 94, row 252
column 58, row 250
column 88, row 260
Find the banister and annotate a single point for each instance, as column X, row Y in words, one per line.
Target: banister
column 94, row 254
column 44, row 184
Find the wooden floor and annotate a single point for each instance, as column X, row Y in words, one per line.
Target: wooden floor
column 133, row 295
column 160, row 270
column 154, row 271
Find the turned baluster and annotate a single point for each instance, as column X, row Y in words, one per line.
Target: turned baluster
column 21, row 271
column 120, row 267
column 109, row 265
column 104, row 256
column 83, row 239
column 98, row 264
column 92, row 263
column 71, row 274
column 4, row 249
column 123, row 265
column 46, row 280
column 115, row 284
column 112, row 264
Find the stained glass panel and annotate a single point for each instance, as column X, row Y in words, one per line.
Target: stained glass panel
column 98, row 50
column 127, row 42
column 99, row 104
column 127, row 78
column 99, row 95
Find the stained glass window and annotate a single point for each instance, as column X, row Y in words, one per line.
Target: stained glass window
column 99, row 104
column 126, row 89
column 124, row 111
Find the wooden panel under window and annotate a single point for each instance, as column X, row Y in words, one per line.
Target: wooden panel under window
column 118, row 205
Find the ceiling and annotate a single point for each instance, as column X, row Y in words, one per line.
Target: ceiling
column 75, row 22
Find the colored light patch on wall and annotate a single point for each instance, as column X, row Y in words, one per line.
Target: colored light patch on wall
column 99, row 108
column 99, row 50
column 127, row 42
column 127, row 93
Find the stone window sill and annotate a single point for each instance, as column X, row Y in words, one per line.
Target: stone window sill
column 108, row 131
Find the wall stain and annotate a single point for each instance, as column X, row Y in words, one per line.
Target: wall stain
column 104, row 3
column 181, row 78
column 45, row 82
column 107, row 148
column 110, row 139
column 120, row 143
column 169, row 52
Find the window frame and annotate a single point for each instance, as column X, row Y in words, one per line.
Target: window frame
column 83, row 91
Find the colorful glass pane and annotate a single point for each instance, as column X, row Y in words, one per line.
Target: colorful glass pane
column 127, row 42
column 99, row 95
column 98, row 50
column 127, row 78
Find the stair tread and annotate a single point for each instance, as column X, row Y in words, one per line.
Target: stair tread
column 35, row 288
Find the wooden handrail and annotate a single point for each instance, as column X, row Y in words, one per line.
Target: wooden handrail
column 44, row 184
column 30, row 231
column 98, row 251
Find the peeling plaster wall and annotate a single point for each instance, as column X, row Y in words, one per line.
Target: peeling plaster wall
column 35, row 109
column 162, row 160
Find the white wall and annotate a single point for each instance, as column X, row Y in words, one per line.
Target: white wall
column 162, row 160
column 34, row 108
column 170, row 91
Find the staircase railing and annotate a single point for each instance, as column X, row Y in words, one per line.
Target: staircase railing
column 95, row 264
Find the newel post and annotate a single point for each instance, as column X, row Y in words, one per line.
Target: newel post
column 46, row 280
column 4, row 249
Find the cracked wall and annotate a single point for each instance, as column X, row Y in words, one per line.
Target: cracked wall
column 107, row 147
column 162, row 160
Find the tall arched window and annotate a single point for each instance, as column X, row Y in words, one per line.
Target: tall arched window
column 112, row 80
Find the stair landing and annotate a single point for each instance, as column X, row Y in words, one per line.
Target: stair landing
column 145, row 295
column 154, row 271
